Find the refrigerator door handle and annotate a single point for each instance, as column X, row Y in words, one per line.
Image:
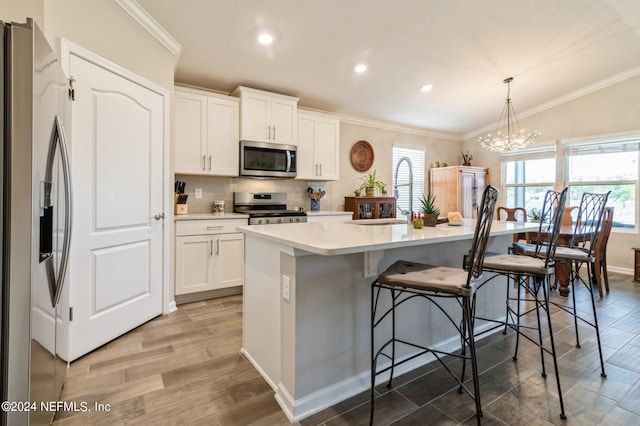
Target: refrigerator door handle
column 68, row 214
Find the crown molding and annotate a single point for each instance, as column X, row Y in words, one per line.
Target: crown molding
column 610, row 81
column 138, row 13
column 385, row 125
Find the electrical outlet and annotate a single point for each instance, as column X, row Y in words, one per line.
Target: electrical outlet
column 198, row 192
column 286, row 287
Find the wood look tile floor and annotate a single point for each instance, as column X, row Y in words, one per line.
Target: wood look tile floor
column 185, row 368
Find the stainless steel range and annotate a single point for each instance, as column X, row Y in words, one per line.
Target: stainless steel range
column 266, row 208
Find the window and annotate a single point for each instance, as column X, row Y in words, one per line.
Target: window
column 527, row 175
column 417, row 165
column 605, row 165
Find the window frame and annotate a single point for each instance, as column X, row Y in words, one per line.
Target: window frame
column 613, row 142
column 417, row 169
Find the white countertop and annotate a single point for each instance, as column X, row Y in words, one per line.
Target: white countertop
column 336, row 238
column 327, row 213
column 209, row 216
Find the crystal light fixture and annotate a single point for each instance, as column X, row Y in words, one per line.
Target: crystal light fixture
column 508, row 135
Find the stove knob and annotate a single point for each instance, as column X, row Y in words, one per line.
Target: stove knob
column 279, row 220
column 259, row 221
column 297, row 219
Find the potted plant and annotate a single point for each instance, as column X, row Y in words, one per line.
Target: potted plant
column 370, row 184
column 466, row 158
column 429, row 209
column 535, row 215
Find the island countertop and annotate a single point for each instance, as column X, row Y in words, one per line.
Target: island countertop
column 337, row 238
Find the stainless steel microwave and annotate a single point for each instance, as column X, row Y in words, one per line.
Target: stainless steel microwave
column 262, row 159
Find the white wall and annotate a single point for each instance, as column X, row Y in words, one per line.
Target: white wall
column 614, row 109
column 20, row 10
column 104, row 28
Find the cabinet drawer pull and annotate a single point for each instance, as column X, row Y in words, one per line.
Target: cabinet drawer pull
column 211, row 228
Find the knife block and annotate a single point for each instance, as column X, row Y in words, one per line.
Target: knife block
column 180, row 208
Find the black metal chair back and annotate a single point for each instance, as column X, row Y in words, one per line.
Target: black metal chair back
column 589, row 218
column 486, row 211
column 549, row 230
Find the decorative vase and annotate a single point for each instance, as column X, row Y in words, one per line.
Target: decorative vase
column 315, row 205
column 369, row 191
column 467, row 163
column 430, row 219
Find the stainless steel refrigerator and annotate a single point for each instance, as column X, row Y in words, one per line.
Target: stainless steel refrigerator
column 36, row 224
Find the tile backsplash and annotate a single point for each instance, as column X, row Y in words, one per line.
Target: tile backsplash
column 221, row 188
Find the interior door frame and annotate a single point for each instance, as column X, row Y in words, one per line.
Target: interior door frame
column 68, row 49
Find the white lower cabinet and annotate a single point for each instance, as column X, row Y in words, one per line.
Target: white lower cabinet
column 208, row 255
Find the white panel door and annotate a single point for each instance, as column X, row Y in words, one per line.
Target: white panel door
column 327, row 148
column 284, row 121
column 223, row 137
column 229, row 260
column 189, row 133
column 117, row 164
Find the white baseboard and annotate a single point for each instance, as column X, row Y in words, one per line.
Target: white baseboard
column 253, row 362
column 617, row 269
column 298, row 409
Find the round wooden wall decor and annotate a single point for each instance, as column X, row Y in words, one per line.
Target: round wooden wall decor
column 362, row 156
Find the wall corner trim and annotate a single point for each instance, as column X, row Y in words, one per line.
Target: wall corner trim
column 138, row 13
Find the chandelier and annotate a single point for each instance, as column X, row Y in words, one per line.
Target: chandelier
column 508, row 135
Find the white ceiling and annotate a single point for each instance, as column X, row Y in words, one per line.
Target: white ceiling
column 555, row 50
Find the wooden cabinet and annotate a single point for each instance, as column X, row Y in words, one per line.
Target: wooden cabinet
column 267, row 117
column 206, row 133
column 209, row 255
column 458, row 188
column 318, row 147
column 370, row 207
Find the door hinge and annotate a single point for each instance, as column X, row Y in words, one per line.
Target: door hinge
column 72, row 91
column 70, row 313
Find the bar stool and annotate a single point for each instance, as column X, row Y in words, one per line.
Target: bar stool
column 437, row 285
column 582, row 253
column 531, row 266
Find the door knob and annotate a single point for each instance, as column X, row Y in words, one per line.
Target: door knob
column 158, row 216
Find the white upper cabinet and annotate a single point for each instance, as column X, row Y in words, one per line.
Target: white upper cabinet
column 267, row 117
column 206, row 133
column 318, row 146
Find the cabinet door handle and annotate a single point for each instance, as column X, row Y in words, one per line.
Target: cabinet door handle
column 217, row 246
column 203, row 162
column 316, row 170
column 269, row 133
column 210, row 247
column 274, row 133
column 209, row 162
column 321, row 169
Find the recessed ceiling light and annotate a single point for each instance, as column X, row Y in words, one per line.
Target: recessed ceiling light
column 426, row 88
column 360, row 68
column 265, row 38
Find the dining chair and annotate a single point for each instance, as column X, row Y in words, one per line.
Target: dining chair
column 437, row 286
column 600, row 252
column 567, row 218
column 582, row 253
column 515, row 214
column 531, row 266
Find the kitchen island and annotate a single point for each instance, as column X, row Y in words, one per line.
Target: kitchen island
column 307, row 301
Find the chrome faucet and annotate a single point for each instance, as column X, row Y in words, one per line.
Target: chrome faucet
column 409, row 212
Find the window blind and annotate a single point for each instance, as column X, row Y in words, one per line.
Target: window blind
column 417, row 157
column 609, row 146
column 536, row 153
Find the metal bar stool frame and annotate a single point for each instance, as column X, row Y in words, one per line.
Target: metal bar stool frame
column 432, row 290
column 582, row 253
column 531, row 266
